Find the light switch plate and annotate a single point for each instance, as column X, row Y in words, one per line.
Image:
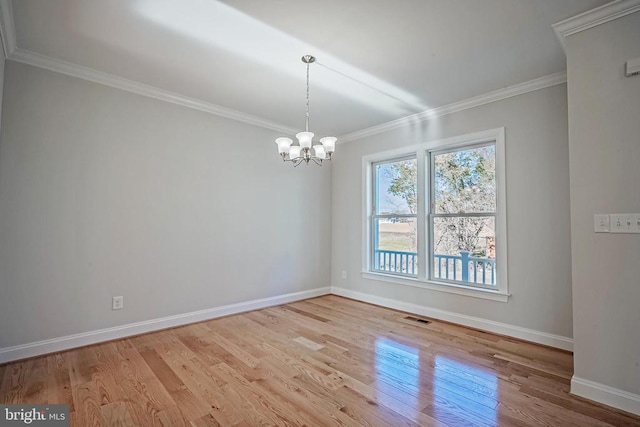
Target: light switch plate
column 625, row 223
column 601, row 223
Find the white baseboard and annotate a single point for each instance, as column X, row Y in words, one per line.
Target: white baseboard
column 557, row 341
column 629, row 402
column 38, row 348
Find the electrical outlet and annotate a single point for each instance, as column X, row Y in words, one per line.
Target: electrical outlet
column 117, row 303
column 344, row 274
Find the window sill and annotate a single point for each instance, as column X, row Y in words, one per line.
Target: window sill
column 440, row 287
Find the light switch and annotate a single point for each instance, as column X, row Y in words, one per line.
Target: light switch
column 601, row 223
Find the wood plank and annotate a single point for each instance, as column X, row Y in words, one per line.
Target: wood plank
column 59, row 381
column 12, row 388
column 320, row 403
column 207, row 389
column 205, row 421
column 170, row 417
column 87, row 406
column 404, row 408
column 117, row 414
column 308, row 343
column 305, row 313
column 162, row 371
column 324, row 361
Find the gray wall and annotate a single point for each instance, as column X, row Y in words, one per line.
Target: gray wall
column 103, row 193
column 537, row 211
column 604, row 141
column 2, row 62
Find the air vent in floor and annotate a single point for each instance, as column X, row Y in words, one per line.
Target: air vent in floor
column 417, row 319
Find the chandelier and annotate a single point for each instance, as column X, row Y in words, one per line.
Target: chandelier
column 303, row 151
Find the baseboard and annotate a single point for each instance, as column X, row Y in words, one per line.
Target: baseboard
column 624, row 400
column 557, row 341
column 39, row 348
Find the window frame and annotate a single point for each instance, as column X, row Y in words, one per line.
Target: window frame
column 424, row 280
column 432, row 214
column 375, row 215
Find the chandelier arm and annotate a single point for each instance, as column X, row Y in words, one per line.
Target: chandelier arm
column 315, row 160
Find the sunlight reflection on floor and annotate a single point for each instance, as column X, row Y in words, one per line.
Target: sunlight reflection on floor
column 473, row 391
column 397, row 367
column 453, row 391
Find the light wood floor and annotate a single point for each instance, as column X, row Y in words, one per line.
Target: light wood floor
column 320, row 362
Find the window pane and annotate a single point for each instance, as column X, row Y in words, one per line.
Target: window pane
column 396, row 187
column 464, row 249
column 395, row 245
column 465, row 180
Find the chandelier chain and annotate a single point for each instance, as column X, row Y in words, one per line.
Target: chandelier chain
column 307, row 117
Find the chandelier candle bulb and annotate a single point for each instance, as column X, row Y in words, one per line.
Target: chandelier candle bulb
column 303, row 151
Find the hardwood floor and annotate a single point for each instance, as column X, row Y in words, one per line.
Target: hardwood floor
column 320, row 362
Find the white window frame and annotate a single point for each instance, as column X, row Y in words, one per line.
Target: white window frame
column 498, row 293
column 375, row 216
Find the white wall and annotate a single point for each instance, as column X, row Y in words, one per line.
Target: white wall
column 604, row 141
column 537, row 211
column 103, row 193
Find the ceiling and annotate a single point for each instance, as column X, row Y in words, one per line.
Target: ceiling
column 378, row 60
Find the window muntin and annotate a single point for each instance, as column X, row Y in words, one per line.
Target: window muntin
column 394, row 234
column 462, row 222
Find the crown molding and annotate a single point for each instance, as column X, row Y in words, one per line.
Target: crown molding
column 85, row 73
column 476, row 101
column 7, row 28
column 594, row 17
column 581, row 22
column 11, row 51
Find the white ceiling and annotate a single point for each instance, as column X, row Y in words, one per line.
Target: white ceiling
column 407, row 55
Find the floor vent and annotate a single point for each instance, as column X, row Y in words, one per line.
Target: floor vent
column 417, row 319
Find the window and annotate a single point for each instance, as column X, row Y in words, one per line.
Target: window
column 435, row 216
column 394, row 232
column 462, row 215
